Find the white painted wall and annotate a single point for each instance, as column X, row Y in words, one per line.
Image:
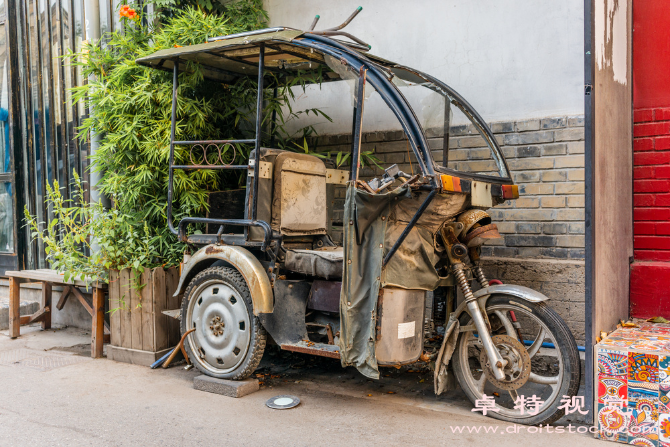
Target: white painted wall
column 511, row 59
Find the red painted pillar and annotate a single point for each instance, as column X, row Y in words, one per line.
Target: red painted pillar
column 649, row 295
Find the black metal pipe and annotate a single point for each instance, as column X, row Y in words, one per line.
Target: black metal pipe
column 74, row 107
column 53, row 145
column 388, row 92
column 41, row 146
column 16, row 141
column 273, row 124
column 31, row 189
column 446, row 129
column 64, row 135
column 589, row 199
column 267, row 230
column 210, row 167
column 259, row 119
column 173, row 125
column 409, row 226
column 358, row 125
column 184, row 143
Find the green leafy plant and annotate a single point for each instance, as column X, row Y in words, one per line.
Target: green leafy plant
column 78, row 225
column 132, row 106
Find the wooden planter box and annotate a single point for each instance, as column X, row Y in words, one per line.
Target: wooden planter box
column 139, row 332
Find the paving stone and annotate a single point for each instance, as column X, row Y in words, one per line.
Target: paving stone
column 230, row 388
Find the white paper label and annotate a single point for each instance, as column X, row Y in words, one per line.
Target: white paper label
column 406, row 330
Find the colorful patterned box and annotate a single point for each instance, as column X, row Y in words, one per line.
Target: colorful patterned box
column 633, row 385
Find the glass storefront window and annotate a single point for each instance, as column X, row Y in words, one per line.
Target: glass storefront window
column 6, row 218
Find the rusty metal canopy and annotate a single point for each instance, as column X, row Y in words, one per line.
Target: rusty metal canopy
column 227, row 59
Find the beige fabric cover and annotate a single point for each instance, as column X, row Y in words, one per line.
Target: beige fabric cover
column 299, row 196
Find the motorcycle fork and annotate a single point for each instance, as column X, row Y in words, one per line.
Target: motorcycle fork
column 457, row 252
column 484, row 282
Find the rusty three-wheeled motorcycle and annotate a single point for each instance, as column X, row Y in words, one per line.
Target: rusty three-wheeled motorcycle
column 375, row 268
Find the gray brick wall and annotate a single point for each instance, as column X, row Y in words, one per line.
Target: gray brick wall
column 543, row 231
column 546, row 159
column 561, row 280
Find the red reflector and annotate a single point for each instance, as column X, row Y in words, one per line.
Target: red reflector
column 510, row 192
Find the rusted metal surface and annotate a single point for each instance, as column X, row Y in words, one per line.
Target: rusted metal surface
column 472, row 217
column 299, row 205
column 286, row 323
column 325, row 296
column 479, row 235
column 320, row 349
column 328, row 328
column 337, row 176
column 245, row 263
column 178, row 348
column 517, row 369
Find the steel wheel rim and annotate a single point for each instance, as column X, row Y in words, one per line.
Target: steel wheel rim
column 472, row 382
column 218, row 352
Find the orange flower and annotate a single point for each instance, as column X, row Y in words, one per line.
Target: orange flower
column 127, row 12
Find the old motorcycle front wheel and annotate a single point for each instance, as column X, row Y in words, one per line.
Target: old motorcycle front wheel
column 542, row 369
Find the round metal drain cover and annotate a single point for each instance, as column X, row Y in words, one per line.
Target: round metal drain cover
column 283, row 402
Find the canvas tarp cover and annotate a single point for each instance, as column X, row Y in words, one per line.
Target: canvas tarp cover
column 412, row 266
column 372, row 224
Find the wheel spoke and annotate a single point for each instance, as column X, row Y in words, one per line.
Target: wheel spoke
column 543, row 380
column 514, row 395
column 480, row 383
column 537, row 344
column 509, row 327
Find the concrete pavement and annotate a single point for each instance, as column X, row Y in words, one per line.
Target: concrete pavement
column 101, row 403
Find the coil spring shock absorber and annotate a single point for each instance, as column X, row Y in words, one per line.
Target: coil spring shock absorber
column 457, row 253
column 473, row 253
column 479, row 273
column 462, row 281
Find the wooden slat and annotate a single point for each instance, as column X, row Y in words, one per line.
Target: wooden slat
column 158, row 291
column 40, row 315
column 124, row 297
column 14, row 307
column 63, row 297
column 84, row 302
column 98, row 324
column 114, row 308
column 46, row 304
column 148, row 317
column 135, row 313
column 44, row 275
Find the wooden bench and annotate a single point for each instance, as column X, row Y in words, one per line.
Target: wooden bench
column 95, row 305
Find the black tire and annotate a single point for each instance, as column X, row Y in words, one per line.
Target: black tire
column 252, row 340
column 567, row 383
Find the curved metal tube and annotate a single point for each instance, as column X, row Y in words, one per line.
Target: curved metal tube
column 346, row 22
